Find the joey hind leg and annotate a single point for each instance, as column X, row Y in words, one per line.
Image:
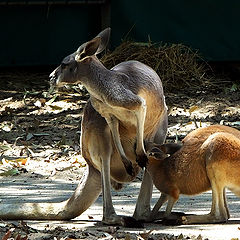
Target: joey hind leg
column 155, row 211
column 218, row 214
column 219, row 211
column 168, row 217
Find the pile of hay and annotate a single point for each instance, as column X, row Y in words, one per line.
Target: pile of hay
column 178, row 66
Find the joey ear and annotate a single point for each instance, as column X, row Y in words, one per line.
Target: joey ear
column 157, row 153
column 150, row 145
column 170, row 148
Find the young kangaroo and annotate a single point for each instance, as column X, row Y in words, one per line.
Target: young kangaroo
column 208, row 159
column 126, row 107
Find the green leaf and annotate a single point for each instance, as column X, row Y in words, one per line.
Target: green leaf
column 11, row 172
column 52, row 99
column 234, row 88
column 54, row 107
column 29, row 136
column 5, row 147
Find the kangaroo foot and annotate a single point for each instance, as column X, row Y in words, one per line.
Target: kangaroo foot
column 131, row 222
column 161, row 214
column 124, row 221
column 176, row 218
column 207, row 218
column 171, row 221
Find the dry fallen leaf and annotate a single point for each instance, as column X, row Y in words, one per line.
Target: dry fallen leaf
column 23, row 161
column 127, row 237
column 54, row 107
column 199, row 237
column 180, row 236
column 145, row 235
column 7, row 235
column 73, row 239
column 192, row 109
column 38, row 104
column 10, row 233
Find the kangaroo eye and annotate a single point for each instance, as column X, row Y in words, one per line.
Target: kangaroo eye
column 83, row 55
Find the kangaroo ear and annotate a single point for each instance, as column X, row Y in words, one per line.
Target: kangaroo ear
column 170, row 148
column 92, row 46
column 150, row 145
column 87, row 49
column 157, row 153
column 104, row 36
column 95, row 46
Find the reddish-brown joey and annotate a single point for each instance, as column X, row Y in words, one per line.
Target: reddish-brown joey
column 209, row 158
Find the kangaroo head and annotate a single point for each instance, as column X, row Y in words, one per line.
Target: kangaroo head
column 75, row 67
column 157, row 153
column 160, row 152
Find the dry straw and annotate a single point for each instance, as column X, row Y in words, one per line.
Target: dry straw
column 178, row 66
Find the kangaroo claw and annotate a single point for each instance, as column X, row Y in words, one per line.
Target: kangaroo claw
column 142, row 160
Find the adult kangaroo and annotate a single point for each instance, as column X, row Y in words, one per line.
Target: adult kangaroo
column 208, row 159
column 126, row 108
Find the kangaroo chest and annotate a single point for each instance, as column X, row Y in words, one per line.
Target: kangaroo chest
column 125, row 116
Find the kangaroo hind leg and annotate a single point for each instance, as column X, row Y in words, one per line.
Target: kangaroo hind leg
column 109, row 214
column 219, row 211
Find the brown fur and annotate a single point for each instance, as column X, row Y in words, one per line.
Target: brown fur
column 126, row 108
column 208, row 159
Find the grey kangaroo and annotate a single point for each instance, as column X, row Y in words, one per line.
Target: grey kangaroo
column 126, row 108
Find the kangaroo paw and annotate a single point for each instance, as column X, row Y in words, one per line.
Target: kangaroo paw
column 129, row 168
column 142, row 160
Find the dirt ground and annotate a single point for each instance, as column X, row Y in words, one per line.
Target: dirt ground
column 41, row 159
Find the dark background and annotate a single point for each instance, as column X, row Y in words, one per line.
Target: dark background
column 36, row 33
